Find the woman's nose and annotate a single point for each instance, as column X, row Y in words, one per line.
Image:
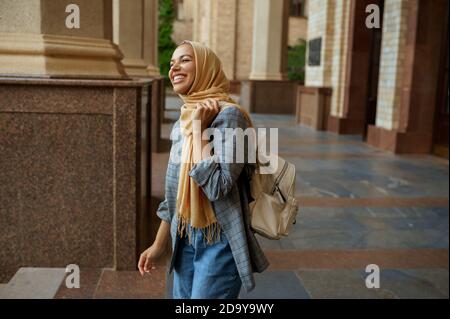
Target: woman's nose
column 175, row 66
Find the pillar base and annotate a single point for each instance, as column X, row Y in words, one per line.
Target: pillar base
column 272, row 97
column 153, row 71
column 341, row 125
column 75, row 157
column 399, row 142
column 45, row 55
column 313, row 106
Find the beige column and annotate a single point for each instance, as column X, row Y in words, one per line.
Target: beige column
column 321, row 16
column 339, row 56
column 392, row 64
column 135, row 30
column 270, row 23
column 218, row 33
column 35, row 40
column 223, row 35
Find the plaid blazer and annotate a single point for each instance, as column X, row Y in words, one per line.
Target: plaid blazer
column 226, row 184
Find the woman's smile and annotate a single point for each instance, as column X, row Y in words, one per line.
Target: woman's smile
column 177, row 78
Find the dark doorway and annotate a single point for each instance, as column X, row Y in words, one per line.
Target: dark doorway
column 374, row 67
column 441, row 127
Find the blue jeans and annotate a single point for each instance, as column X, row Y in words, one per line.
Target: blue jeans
column 204, row 271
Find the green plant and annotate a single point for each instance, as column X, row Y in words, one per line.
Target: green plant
column 166, row 46
column 296, row 62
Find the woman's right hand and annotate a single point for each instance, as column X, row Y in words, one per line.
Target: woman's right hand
column 206, row 112
column 150, row 257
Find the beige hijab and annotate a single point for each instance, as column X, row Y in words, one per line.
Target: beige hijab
column 193, row 207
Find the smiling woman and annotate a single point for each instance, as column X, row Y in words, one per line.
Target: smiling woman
column 206, row 209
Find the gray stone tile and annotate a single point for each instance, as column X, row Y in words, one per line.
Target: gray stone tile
column 340, row 284
column 416, row 283
column 276, row 285
column 402, row 239
column 438, row 278
column 329, row 239
column 268, row 244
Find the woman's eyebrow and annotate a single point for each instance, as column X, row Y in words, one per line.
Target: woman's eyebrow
column 182, row 56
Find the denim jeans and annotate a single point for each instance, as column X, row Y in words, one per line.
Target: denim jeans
column 204, row 271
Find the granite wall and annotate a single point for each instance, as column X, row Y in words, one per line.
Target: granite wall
column 74, row 177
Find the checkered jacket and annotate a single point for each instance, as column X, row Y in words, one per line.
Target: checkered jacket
column 225, row 183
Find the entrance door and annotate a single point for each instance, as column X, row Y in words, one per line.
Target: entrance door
column 374, row 67
column 441, row 127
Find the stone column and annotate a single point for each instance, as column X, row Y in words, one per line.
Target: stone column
column 268, row 90
column 135, row 31
column 217, row 33
column 413, row 39
column 35, row 40
column 354, row 52
column 270, row 24
column 321, row 26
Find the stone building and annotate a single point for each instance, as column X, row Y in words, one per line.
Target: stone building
column 388, row 83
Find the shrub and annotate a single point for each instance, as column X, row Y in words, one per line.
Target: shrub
column 296, row 62
column 166, row 46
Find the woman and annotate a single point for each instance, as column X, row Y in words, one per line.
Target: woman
column 206, row 208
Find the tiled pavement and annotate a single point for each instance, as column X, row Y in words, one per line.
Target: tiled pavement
column 358, row 206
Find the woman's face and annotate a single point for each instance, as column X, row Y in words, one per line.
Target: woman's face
column 182, row 69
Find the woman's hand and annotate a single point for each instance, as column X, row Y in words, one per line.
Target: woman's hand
column 157, row 251
column 206, row 112
column 150, row 257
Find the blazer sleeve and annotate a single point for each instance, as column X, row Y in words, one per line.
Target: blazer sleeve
column 217, row 174
column 163, row 211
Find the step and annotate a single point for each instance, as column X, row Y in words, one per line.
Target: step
column 33, row 283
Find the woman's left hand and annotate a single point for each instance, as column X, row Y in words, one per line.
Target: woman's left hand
column 206, row 112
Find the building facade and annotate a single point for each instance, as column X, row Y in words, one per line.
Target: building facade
column 382, row 64
column 389, row 82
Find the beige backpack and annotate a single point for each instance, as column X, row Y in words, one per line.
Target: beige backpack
column 274, row 209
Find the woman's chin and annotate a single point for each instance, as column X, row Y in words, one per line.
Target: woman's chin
column 179, row 90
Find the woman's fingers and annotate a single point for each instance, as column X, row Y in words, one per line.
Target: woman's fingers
column 206, row 111
column 216, row 106
column 141, row 264
column 149, row 264
column 212, row 104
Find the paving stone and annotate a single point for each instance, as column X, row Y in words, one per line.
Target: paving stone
column 416, row 284
column 131, row 285
column 276, row 285
column 89, row 278
column 340, row 284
